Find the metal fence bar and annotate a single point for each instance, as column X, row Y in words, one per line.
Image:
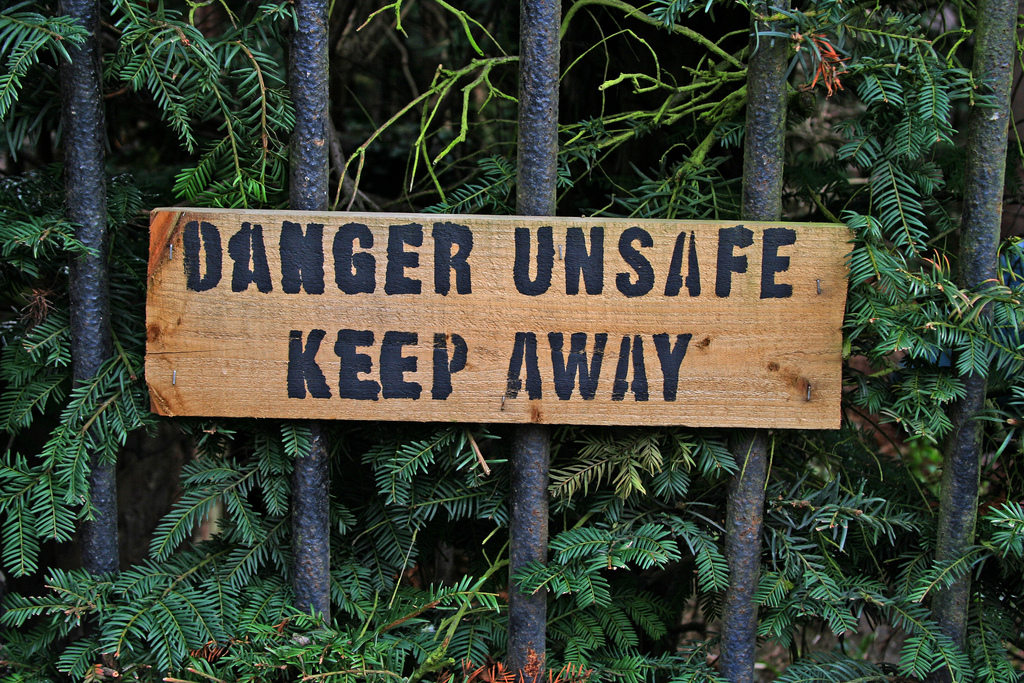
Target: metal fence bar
column 527, row 614
column 766, row 124
column 82, row 123
column 762, row 200
column 744, row 515
column 538, row 107
column 979, row 240
column 535, row 196
column 308, row 192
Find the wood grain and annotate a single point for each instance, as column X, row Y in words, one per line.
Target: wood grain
column 749, row 361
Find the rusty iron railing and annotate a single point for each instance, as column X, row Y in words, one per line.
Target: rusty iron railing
column 308, row 79
column 762, row 201
column 535, row 196
column 84, row 131
column 979, row 240
column 84, row 143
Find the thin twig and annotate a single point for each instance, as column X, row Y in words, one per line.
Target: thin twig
column 390, row 33
column 479, row 455
column 338, row 162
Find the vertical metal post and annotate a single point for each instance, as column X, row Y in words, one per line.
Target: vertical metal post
column 527, row 614
column 308, row 192
column 762, row 200
column 84, row 133
column 744, row 514
column 535, row 196
column 538, row 107
column 979, row 238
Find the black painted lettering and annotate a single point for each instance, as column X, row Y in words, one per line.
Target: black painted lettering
column 443, row 368
column 302, row 258
column 303, row 370
column 354, row 273
column 244, row 246
column 566, row 371
column 637, row 261
column 621, row 371
column 693, row 269
column 639, row 384
column 577, row 260
column 671, row 358
column 354, row 364
column 399, row 259
column 393, row 366
column 525, row 348
column 545, row 261
column 207, row 236
column 729, row 263
column 674, row 281
column 675, row 270
column 445, row 235
column 772, row 263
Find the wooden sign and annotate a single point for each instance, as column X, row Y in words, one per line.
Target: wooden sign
column 495, row 319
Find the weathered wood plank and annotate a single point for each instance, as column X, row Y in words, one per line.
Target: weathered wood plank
column 424, row 309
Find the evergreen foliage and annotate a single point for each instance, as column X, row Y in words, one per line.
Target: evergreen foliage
column 653, row 127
